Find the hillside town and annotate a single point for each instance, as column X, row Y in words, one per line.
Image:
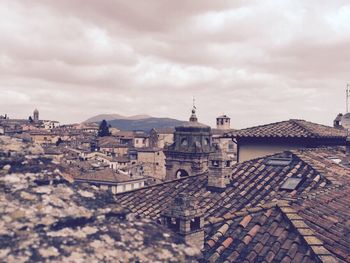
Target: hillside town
column 277, row 192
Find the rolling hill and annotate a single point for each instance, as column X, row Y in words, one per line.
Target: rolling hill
column 136, row 122
column 144, row 124
column 109, row 117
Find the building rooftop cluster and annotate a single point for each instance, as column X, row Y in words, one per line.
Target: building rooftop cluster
column 272, row 193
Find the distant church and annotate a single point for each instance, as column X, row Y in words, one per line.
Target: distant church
column 189, row 154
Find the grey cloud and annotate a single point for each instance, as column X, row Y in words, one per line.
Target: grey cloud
column 257, row 61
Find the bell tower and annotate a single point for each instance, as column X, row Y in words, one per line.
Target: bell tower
column 223, row 122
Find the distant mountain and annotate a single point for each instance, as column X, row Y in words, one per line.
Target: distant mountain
column 109, row 117
column 145, row 124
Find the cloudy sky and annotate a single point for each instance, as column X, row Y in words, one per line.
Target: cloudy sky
column 256, row 61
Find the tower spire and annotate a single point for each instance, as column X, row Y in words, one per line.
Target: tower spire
column 193, row 117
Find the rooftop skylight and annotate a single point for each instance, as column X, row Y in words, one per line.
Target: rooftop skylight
column 279, row 161
column 291, row 184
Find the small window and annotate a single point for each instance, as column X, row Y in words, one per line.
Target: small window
column 228, row 163
column 173, row 223
column 184, row 142
column 195, row 223
column 291, row 184
column 215, row 163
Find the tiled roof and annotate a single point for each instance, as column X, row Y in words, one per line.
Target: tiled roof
column 265, row 235
column 292, row 129
column 252, row 220
column 251, row 183
column 328, row 215
column 274, row 232
column 105, row 175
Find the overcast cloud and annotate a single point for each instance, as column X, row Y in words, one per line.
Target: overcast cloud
column 256, row 61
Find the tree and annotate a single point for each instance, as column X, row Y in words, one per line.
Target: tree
column 30, row 119
column 103, row 130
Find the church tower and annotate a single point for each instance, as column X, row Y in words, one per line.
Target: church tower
column 36, row 116
column 189, row 154
column 223, row 122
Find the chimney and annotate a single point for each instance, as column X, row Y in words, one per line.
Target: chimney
column 186, row 219
column 219, row 170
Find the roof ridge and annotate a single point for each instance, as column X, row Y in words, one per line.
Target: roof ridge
column 307, row 234
column 262, row 125
column 298, row 122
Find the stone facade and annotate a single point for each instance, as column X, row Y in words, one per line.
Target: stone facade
column 189, row 154
column 152, row 161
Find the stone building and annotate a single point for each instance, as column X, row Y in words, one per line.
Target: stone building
column 189, row 154
column 161, row 137
column 223, row 122
column 152, row 161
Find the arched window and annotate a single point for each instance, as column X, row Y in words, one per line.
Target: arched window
column 181, row 173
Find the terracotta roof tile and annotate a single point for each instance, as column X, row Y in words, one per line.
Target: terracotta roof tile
column 245, row 219
column 293, row 129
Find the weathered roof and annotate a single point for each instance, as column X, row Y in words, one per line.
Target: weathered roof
column 251, row 183
column 44, row 218
column 282, row 231
column 265, row 234
column 292, row 129
column 106, row 175
column 327, row 213
column 251, row 221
